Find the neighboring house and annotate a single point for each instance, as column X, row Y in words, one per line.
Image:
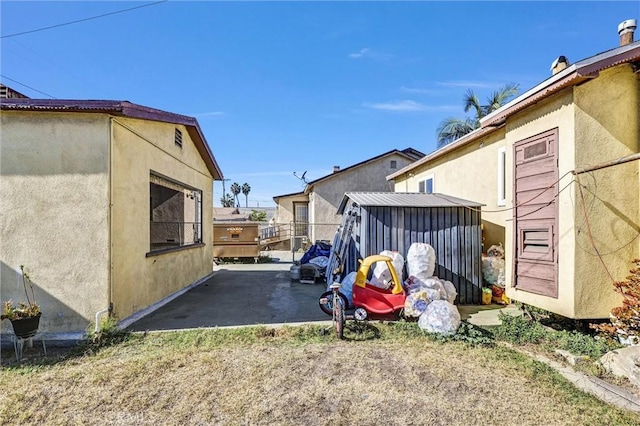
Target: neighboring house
column 318, row 203
column 8, row 93
column 539, row 164
column 108, row 204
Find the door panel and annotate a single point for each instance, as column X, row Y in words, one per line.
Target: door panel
column 536, row 214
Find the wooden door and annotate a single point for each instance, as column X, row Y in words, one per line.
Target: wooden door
column 536, row 214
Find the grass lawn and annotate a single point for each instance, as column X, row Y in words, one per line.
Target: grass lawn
column 297, row 375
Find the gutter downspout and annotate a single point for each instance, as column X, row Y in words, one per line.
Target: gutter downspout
column 110, row 237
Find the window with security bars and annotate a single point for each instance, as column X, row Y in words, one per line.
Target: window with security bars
column 175, row 214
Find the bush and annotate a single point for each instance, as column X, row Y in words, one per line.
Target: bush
column 625, row 319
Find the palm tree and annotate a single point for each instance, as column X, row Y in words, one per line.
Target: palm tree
column 451, row 129
column 245, row 190
column 235, row 190
column 227, row 200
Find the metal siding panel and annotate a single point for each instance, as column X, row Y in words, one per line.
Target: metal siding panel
column 448, row 252
column 468, row 258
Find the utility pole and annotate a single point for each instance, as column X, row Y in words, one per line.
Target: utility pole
column 224, row 189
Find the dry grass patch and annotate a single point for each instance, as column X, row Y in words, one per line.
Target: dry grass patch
column 297, row 376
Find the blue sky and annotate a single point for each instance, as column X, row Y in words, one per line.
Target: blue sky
column 283, row 87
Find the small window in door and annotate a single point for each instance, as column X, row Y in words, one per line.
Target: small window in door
column 536, row 150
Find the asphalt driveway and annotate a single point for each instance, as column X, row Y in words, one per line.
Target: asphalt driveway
column 241, row 294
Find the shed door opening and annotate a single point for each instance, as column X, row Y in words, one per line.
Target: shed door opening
column 536, row 214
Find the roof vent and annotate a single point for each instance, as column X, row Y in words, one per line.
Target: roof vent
column 625, row 30
column 336, row 169
column 560, row 63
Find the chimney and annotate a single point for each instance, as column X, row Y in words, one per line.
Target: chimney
column 625, row 30
column 559, row 64
column 336, row 169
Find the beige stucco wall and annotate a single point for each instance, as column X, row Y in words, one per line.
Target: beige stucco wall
column 597, row 121
column 607, row 127
column 326, row 196
column 472, row 176
column 54, row 214
column 284, row 210
column 555, row 112
column 137, row 149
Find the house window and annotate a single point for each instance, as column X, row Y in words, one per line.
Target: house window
column 394, row 164
column 175, row 213
column 178, row 138
column 502, row 176
column 426, row 185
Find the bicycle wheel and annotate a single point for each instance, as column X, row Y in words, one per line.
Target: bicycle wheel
column 338, row 310
column 326, row 302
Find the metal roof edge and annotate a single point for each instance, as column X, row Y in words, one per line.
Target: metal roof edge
column 126, row 109
column 577, row 72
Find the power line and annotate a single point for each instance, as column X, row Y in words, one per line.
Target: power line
column 29, row 87
column 83, row 20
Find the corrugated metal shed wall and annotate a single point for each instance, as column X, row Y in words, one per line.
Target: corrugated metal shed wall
column 454, row 233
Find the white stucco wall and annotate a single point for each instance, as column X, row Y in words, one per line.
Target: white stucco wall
column 54, row 214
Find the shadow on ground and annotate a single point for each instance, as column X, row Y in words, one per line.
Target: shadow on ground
column 240, row 294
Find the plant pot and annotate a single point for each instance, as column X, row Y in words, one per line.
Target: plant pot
column 24, row 328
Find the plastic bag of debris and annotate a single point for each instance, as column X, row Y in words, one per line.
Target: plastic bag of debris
column 496, row 251
column 440, row 317
column 493, row 269
column 381, row 274
column 432, row 286
column 416, row 303
column 421, row 260
column 452, row 293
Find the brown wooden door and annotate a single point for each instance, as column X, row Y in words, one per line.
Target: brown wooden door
column 536, row 214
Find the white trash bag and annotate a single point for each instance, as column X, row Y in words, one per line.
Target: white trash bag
column 440, row 317
column 381, row 274
column 493, row 270
column 421, row 260
column 432, row 286
column 451, row 291
column 416, row 303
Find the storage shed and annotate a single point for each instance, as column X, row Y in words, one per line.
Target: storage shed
column 395, row 220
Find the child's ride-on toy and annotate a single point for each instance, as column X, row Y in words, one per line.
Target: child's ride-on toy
column 373, row 302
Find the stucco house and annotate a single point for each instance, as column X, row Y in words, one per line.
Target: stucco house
column 318, row 203
column 107, row 204
column 558, row 171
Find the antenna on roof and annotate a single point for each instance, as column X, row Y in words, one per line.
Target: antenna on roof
column 302, row 178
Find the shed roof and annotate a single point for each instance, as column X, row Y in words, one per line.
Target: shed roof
column 123, row 109
column 404, row 199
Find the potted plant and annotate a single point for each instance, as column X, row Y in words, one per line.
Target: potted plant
column 25, row 316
